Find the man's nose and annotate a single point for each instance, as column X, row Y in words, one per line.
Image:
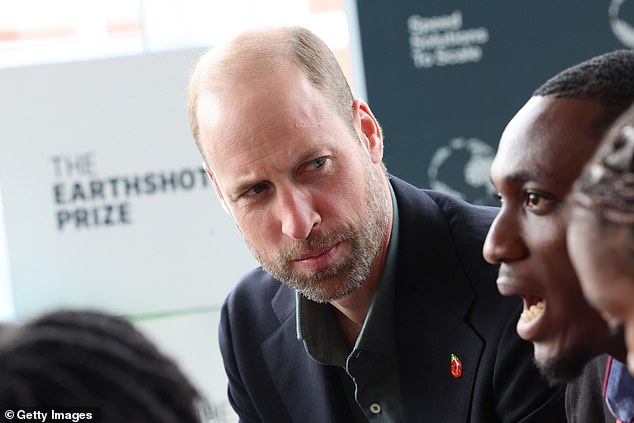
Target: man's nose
column 504, row 241
column 297, row 213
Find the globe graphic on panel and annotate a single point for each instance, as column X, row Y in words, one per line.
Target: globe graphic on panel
column 461, row 168
column 621, row 13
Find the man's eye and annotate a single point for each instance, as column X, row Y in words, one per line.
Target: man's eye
column 257, row 189
column 317, row 163
column 539, row 203
column 533, row 199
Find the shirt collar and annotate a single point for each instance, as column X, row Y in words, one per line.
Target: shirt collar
column 378, row 333
column 619, row 394
column 318, row 329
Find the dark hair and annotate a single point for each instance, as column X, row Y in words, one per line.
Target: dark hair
column 607, row 79
column 91, row 359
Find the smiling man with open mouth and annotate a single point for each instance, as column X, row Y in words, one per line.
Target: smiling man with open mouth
column 541, row 152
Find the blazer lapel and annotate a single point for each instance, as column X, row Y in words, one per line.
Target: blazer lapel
column 309, row 391
column 429, row 390
column 432, row 299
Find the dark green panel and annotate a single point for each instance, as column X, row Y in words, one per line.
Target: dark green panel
column 444, row 77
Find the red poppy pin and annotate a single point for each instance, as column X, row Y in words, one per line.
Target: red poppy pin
column 456, row 366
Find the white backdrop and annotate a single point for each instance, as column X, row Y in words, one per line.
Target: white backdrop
column 105, row 204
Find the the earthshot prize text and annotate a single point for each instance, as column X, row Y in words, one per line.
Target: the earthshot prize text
column 43, row 414
column 85, row 201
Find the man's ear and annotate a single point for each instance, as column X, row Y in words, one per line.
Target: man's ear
column 368, row 129
column 217, row 189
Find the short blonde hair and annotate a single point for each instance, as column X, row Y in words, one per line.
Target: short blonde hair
column 254, row 54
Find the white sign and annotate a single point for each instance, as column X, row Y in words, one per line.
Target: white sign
column 104, row 200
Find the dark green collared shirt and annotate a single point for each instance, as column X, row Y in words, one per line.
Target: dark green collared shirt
column 370, row 371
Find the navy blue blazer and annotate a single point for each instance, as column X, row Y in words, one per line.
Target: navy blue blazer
column 446, row 302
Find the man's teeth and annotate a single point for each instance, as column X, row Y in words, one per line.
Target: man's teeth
column 534, row 311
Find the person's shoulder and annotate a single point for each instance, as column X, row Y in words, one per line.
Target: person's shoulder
column 457, row 225
column 256, row 291
column 447, row 203
column 457, row 208
column 459, row 214
column 256, row 306
column 255, row 285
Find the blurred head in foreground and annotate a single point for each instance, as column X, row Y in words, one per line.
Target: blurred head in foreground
column 91, row 359
column 601, row 229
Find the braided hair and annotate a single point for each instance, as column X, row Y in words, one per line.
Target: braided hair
column 606, row 186
column 91, row 359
